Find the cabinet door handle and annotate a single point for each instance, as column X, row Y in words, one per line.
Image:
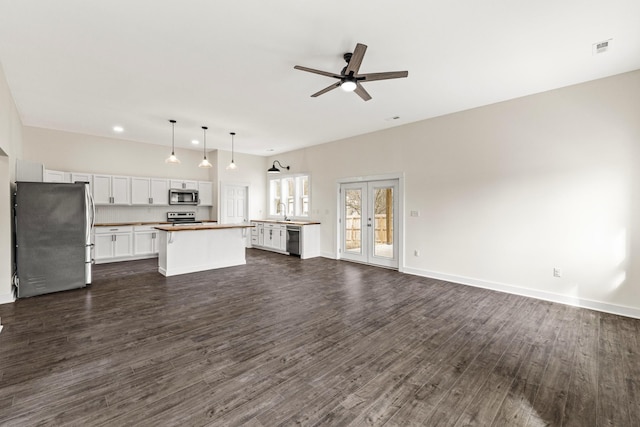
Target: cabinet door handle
column 153, row 235
column 113, row 237
column 150, row 200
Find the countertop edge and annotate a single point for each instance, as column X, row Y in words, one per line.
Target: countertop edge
column 275, row 221
column 171, row 228
column 124, row 224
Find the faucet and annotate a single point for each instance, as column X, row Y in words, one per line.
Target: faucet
column 284, row 211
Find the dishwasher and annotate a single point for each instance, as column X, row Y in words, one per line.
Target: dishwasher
column 293, row 240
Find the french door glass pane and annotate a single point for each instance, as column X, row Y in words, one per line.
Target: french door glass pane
column 353, row 220
column 383, row 222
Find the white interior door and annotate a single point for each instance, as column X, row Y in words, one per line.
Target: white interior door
column 369, row 222
column 235, row 204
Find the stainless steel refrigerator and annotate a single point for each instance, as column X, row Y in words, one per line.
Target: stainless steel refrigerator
column 53, row 224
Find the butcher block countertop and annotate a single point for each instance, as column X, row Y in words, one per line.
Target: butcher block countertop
column 279, row 221
column 211, row 226
column 123, row 224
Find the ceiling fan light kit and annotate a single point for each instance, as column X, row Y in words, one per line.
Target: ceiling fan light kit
column 350, row 80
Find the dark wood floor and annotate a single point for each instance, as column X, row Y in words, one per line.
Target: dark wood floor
column 282, row 342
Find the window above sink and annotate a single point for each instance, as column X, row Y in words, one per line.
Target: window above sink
column 290, row 193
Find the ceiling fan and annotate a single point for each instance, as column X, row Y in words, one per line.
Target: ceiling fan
column 349, row 79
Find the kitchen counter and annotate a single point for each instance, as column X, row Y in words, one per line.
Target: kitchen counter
column 123, row 224
column 279, row 221
column 190, row 248
column 211, row 226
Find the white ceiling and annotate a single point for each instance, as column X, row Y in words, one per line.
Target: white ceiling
column 85, row 66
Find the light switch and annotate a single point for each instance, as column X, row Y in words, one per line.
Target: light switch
column 415, row 213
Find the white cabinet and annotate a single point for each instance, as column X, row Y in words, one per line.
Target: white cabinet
column 56, row 176
column 205, row 192
column 149, row 191
column 111, row 190
column 185, row 185
column 81, row 177
column 112, row 243
column 275, row 236
column 257, row 234
column 145, row 240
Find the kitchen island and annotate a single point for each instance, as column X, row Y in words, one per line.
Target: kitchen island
column 191, row 248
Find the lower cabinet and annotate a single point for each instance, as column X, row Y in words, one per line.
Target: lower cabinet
column 145, row 240
column 273, row 237
column 124, row 243
column 112, row 243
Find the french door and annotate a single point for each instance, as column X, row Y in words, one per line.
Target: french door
column 369, row 222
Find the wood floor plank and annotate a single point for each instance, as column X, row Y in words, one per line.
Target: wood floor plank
column 284, row 341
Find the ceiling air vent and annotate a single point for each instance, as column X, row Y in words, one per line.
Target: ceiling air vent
column 602, row 47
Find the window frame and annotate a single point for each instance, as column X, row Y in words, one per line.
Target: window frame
column 297, row 203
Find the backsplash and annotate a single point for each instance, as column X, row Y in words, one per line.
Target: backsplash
column 111, row 214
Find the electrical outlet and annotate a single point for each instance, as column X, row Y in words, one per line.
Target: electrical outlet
column 416, row 253
column 557, row 272
column 415, row 213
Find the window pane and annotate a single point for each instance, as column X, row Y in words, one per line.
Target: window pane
column 289, row 189
column 275, row 196
column 302, row 188
column 383, row 232
column 353, row 223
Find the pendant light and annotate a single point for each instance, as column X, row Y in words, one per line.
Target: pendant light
column 172, row 158
column 232, row 165
column 205, row 163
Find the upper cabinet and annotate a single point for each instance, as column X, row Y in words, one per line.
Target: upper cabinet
column 111, row 190
column 205, row 192
column 185, row 185
column 56, row 176
column 149, row 191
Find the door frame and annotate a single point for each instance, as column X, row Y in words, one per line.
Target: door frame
column 382, row 177
column 221, row 199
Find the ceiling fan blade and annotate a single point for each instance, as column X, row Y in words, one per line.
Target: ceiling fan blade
column 356, row 59
column 361, row 92
column 322, row 73
column 326, row 89
column 382, row 76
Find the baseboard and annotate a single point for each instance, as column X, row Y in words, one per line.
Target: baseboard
column 6, row 298
column 543, row 295
column 329, row 255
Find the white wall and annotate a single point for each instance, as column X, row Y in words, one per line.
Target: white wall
column 10, row 150
column 509, row 191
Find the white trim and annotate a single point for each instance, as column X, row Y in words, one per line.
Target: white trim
column 329, row 255
column 7, row 298
column 533, row 293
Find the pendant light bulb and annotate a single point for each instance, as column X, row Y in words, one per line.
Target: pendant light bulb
column 232, row 166
column 172, row 159
column 205, row 163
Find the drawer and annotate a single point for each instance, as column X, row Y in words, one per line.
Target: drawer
column 111, row 230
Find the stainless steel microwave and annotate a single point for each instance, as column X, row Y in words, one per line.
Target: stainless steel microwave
column 179, row 196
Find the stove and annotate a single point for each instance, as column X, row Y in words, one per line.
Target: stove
column 182, row 218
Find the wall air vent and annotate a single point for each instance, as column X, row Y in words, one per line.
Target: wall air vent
column 602, row 47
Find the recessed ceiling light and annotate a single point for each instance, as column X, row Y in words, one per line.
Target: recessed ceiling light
column 270, row 149
column 118, row 129
column 195, row 142
column 392, row 118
